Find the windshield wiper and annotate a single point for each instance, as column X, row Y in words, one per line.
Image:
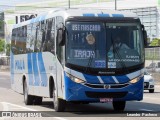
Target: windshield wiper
column 91, row 59
column 89, row 63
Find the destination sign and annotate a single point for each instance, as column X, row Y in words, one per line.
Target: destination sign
column 84, row 27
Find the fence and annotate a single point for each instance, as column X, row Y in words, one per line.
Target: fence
column 4, row 63
column 152, row 56
column 152, row 53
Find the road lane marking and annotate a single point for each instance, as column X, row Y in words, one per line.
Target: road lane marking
column 5, row 104
column 60, row 118
column 6, row 108
column 151, row 98
column 146, row 110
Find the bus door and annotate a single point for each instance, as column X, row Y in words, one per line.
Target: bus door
column 60, row 59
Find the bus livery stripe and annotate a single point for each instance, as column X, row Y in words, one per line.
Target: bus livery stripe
column 89, row 14
column 35, row 70
column 99, row 78
column 30, row 71
column 115, row 79
column 12, row 68
column 108, row 79
column 117, row 15
column 42, row 70
column 91, row 79
column 103, row 15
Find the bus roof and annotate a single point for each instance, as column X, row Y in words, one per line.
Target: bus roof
column 77, row 12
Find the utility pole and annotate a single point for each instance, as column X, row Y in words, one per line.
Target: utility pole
column 69, row 4
column 115, row 4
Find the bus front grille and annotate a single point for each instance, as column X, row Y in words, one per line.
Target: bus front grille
column 103, row 86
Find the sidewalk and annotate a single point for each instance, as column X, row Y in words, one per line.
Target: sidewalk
column 4, row 68
column 5, row 73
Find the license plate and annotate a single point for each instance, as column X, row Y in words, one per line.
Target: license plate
column 104, row 100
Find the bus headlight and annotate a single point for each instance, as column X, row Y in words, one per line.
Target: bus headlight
column 135, row 79
column 75, row 79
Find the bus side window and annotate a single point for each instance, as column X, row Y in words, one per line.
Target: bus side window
column 23, row 39
column 38, row 38
column 30, row 44
column 47, row 36
column 13, row 42
column 43, row 35
column 18, row 41
column 50, row 35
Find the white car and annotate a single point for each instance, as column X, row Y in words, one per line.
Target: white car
column 148, row 82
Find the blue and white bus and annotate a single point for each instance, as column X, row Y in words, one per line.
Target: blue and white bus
column 70, row 55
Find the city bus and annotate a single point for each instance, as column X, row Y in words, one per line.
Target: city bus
column 70, row 55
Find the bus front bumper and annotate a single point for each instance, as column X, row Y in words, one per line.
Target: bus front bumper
column 81, row 92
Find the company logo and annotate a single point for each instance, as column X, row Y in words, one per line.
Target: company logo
column 6, row 114
column 106, row 86
column 19, row 65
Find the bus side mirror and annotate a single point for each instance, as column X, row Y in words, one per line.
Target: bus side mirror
column 145, row 38
column 61, row 37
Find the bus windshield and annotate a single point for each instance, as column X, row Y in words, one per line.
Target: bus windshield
column 104, row 45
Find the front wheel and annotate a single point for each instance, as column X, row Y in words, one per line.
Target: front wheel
column 119, row 105
column 28, row 99
column 151, row 91
column 59, row 104
column 37, row 100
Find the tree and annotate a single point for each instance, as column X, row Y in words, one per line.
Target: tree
column 2, row 47
column 155, row 42
column 8, row 47
column 2, row 44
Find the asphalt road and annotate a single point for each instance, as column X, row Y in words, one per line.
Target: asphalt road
column 12, row 101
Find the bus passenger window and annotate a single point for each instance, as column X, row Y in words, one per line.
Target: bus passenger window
column 48, row 35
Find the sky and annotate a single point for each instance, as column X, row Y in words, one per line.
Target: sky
column 15, row 2
column 5, row 4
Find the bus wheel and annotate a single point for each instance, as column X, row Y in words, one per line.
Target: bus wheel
column 59, row 104
column 119, row 105
column 151, row 91
column 28, row 99
column 37, row 100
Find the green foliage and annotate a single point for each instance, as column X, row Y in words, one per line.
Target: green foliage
column 8, row 47
column 153, row 53
column 2, row 47
column 155, row 42
column 2, row 43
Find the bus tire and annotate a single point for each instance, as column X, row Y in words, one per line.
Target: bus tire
column 119, row 105
column 151, row 91
column 59, row 104
column 28, row 99
column 37, row 100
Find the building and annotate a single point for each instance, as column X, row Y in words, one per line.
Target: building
column 149, row 17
